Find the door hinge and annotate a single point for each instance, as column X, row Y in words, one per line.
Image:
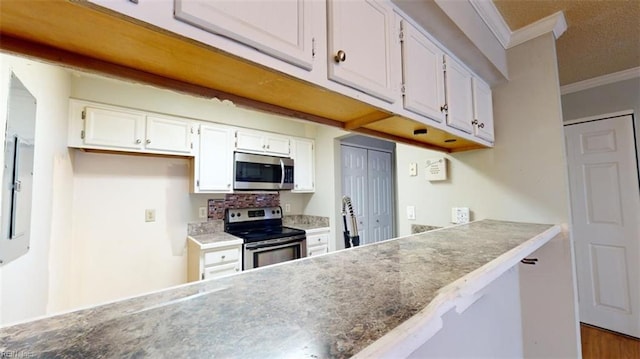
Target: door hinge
column 82, row 134
column 313, row 47
column 401, row 35
column 202, row 276
column 198, row 131
column 402, row 88
column 191, row 145
column 192, row 130
column 84, row 114
column 198, row 183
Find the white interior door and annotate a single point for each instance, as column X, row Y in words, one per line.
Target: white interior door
column 605, row 202
column 354, row 185
column 380, row 206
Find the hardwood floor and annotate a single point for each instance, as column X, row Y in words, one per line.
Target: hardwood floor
column 599, row 343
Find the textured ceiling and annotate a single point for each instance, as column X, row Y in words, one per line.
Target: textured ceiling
column 602, row 36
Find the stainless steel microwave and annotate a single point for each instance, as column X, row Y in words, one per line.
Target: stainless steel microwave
column 262, row 172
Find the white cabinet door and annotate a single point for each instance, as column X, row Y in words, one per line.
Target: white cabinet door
column 262, row 143
column 459, row 98
column 303, row 154
column 112, row 128
column 482, row 110
column 169, row 134
column 250, row 141
column 361, row 38
column 279, row 28
column 277, row 145
column 214, row 161
column 423, row 74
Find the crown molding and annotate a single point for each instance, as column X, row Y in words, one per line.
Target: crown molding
column 555, row 23
column 488, row 12
column 600, row 80
column 493, row 19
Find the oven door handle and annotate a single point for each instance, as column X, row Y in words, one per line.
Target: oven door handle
column 259, row 245
column 281, row 173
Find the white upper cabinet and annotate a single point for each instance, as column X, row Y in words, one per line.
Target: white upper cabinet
column 303, row 154
column 169, row 134
column 214, row 161
column 112, row 129
column 98, row 126
column 422, row 74
column 458, row 95
column 361, row 45
column 279, row 28
column 262, row 143
column 482, row 110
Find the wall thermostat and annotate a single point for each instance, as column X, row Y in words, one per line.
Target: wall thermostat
column 436, row 169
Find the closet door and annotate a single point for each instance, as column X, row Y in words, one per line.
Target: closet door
column 379, row 195
column 355, row 185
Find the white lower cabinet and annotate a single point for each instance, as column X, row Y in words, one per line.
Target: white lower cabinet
column 213, row 164
column 204, row 262
column 317, row 242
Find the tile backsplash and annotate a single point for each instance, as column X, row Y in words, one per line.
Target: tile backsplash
column 216, row 207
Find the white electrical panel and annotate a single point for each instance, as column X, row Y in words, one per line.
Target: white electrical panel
column 436, row 169
column 460, row 215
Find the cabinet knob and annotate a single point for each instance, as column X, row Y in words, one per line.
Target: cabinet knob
column 228, row 185
column 474, row 122
column 148, row 141
column 444, row 108
column 341, row 56
column 223, row 256
column 237, row 269
column 138, row 141
column 481, row 125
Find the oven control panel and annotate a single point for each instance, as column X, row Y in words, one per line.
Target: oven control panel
column 234, row 215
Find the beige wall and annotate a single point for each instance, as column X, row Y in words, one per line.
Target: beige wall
column 26, row 282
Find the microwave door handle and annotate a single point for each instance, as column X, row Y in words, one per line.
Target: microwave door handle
column 281, row 173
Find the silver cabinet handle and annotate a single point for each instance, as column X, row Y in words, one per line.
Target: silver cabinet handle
column 148, row 141
column 138, row 141
column 223, row 256
column 341, row 56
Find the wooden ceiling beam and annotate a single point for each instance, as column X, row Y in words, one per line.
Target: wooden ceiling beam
column 365, row 120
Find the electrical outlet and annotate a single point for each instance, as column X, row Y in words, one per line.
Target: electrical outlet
column 287, row 207
column 202, row 212
column 149, row 215
column 460, row 215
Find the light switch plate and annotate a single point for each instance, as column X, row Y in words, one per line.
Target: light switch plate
column 202, row 212
column 413, row 169
column 411, row 212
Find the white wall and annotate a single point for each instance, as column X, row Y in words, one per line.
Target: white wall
column 29, row 284
column 116, row 253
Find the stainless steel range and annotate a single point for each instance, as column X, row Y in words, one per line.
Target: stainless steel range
column 266, row 240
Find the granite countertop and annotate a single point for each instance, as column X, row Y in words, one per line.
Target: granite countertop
column 215, row 239
column 330, row 306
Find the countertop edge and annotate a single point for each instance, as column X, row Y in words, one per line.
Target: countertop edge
column 230, row 242
column 460, row 294
column 315, row 230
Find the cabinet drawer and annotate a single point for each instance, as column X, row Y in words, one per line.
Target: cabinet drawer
column 315, row 250
column 221, row 256
column 319, row 239
column 220, row 270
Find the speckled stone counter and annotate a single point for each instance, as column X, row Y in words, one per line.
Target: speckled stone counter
column 330, row 306
column 215, row 239
column 305, row 222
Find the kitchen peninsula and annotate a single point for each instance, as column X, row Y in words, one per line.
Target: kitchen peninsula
column 372, row 301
